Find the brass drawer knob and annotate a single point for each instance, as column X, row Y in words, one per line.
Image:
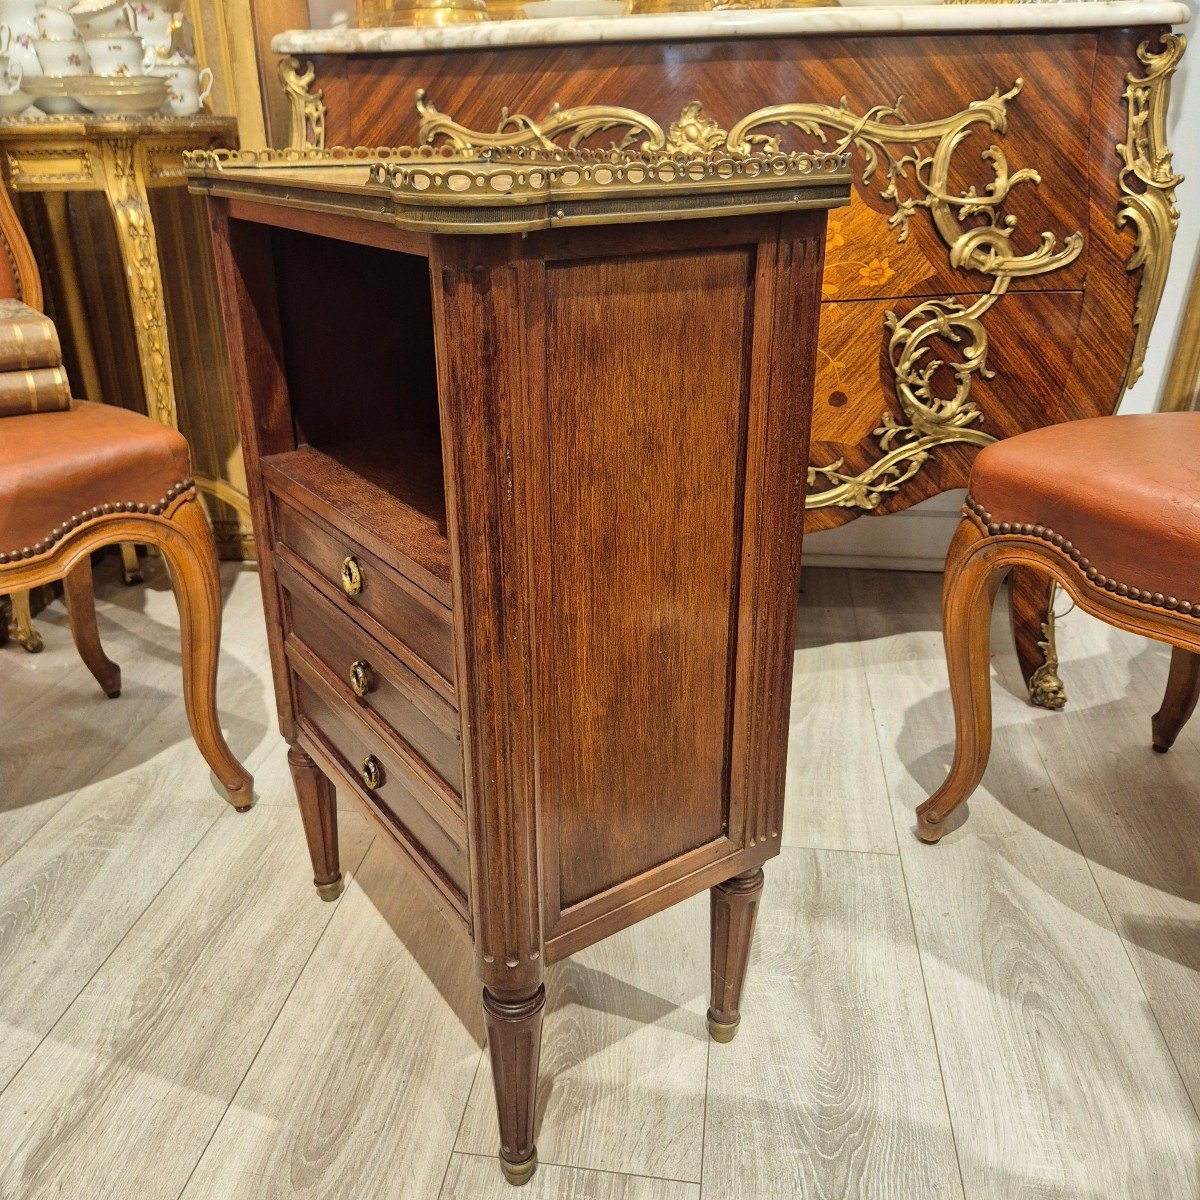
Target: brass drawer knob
column 371, row 772
column 361, row 677
column 351, row 576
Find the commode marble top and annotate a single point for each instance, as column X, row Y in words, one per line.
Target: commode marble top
column 736, row 23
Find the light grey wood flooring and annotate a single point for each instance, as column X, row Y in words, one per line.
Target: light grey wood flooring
column 1010, row 1014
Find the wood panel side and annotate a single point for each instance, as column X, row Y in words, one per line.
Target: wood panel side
column 249, row 304
column 645, row 471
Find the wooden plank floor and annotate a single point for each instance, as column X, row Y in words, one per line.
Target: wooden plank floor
column 1010, row 1014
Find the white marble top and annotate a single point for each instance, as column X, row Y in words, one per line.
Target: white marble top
column 734, row 23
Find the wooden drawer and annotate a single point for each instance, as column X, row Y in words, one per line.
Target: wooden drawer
column 418, row 628
column 432, row 832
column 417, row 716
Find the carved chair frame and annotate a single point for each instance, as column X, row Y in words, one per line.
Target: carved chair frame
column 976, row 565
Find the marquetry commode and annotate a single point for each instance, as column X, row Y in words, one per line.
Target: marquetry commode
column 527, row 437
column 1032, row 273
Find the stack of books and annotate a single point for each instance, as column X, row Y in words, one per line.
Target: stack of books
column 32, row 378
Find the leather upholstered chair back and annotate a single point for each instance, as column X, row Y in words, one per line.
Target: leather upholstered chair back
column 19, row 277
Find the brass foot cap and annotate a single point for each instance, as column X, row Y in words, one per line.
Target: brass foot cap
column 721, row 1031
column 519, row 1173
column 330, row 891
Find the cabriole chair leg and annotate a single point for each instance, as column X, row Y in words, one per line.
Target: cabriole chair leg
column 192, row 560
column 1179, row 700
column 968, row 593
column 79, row 593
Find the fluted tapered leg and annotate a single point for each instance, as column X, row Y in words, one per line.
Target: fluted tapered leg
column 318, row 811
column 734, row 906
column 514, row 1032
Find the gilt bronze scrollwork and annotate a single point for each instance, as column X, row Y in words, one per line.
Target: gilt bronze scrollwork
column 1148, row 185
column 977, row 235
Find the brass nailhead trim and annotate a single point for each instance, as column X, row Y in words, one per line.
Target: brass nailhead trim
column 973, row 508
column 60, row 531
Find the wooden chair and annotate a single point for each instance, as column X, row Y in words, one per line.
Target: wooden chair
column 1110, row 507
column 92, row 476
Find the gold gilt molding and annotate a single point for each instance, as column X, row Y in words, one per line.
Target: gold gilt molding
column 306, row 109
column 123, row 164
column 978, row 237
column 1148, row 185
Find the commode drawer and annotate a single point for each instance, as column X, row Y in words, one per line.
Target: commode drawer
column 419, row 718
column 434, row 833
column 418, row 627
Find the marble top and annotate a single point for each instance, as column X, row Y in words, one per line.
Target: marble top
column 736, row 23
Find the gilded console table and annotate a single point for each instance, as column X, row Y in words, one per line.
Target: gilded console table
column 1002, row 261
column 557, row 752
column 125, row 159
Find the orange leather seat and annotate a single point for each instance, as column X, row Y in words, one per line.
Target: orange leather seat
column 59, row 470
column 1120, row 496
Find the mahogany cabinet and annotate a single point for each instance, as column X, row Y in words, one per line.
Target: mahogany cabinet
column 528, row 464
column 1001, row 263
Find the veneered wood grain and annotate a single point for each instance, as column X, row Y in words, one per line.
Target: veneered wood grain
column 419, row 624
column 608, row 518
column 1105, row 337
column 646, row 463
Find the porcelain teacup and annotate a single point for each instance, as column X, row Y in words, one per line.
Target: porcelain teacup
column 10, row 75
column 62, row 56
column 55, row 23
column 112, row 16
column 115, row 54
column 20, row 50
column 189, row 84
